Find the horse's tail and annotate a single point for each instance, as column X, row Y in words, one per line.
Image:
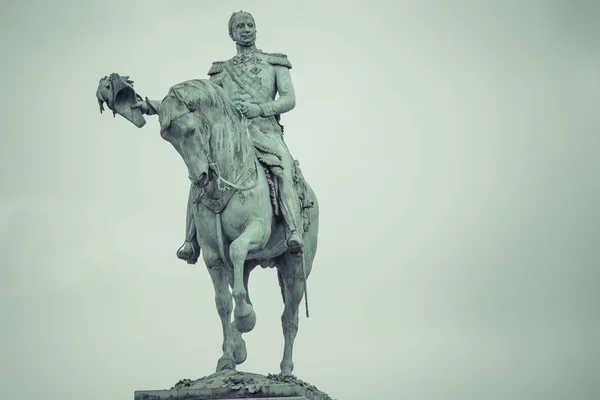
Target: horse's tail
column 305, row 285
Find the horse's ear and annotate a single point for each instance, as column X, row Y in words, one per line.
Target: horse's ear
column 101, row 104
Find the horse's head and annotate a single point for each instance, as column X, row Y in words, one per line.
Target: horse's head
column 187, row 121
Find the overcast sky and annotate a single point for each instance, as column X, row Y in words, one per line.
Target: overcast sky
column 454, row 150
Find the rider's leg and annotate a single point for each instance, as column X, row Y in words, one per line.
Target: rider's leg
column 190, row 250
column 290, row 204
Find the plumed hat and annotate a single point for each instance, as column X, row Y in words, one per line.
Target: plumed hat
column 119, row 95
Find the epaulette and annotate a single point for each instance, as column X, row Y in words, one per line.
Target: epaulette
column 217, row 67
column 279, row 59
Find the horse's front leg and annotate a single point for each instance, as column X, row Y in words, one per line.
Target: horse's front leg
column 220, row 276
column 254, row 236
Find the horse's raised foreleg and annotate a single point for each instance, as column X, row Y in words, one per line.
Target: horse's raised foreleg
column 240, row 353
column 291, row 278
column 253, row 237
column 220, row 277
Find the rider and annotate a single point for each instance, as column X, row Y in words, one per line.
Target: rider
column 251, row 80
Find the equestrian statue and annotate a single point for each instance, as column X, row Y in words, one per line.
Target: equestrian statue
column 248, row 202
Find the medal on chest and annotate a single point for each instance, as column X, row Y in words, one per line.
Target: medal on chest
column 248, row 62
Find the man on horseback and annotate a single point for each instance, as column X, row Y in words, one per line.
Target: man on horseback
column 251, row 80
column 227, row 127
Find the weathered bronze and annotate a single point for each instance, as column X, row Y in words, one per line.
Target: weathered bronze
column 248, row 204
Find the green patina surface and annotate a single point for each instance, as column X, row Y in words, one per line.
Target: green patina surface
column 249, row 203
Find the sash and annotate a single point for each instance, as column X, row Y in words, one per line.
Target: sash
column 250, row 84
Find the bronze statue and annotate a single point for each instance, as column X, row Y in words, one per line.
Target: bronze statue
column 248, row 204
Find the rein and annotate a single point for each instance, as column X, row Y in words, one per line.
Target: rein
column 216, row 170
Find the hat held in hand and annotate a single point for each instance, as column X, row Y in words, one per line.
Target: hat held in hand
column 119, row 95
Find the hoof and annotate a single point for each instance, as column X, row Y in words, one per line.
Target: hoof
column 224, row 363
column 245, row 324
column 239, row 353
column 286, row 369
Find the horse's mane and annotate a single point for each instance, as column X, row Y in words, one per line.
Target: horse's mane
column 200, row 94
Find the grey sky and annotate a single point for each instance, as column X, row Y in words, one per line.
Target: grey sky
column 454, row 150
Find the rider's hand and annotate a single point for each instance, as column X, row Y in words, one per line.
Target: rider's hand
column 250, row 110
column 142, row 106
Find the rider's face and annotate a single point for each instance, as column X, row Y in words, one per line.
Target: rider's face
column 243, row 30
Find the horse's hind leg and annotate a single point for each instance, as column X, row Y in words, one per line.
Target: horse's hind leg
column 291, row 279
column 220, row 277
column 254, row 236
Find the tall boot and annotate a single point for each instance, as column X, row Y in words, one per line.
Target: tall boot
column 290, row 207
column 190, row 250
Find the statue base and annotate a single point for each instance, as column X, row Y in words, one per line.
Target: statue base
column 228, row 385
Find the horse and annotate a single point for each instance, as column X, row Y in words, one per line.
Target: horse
column 236, row 225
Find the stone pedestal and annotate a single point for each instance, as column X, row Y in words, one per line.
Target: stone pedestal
column 229, row 385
